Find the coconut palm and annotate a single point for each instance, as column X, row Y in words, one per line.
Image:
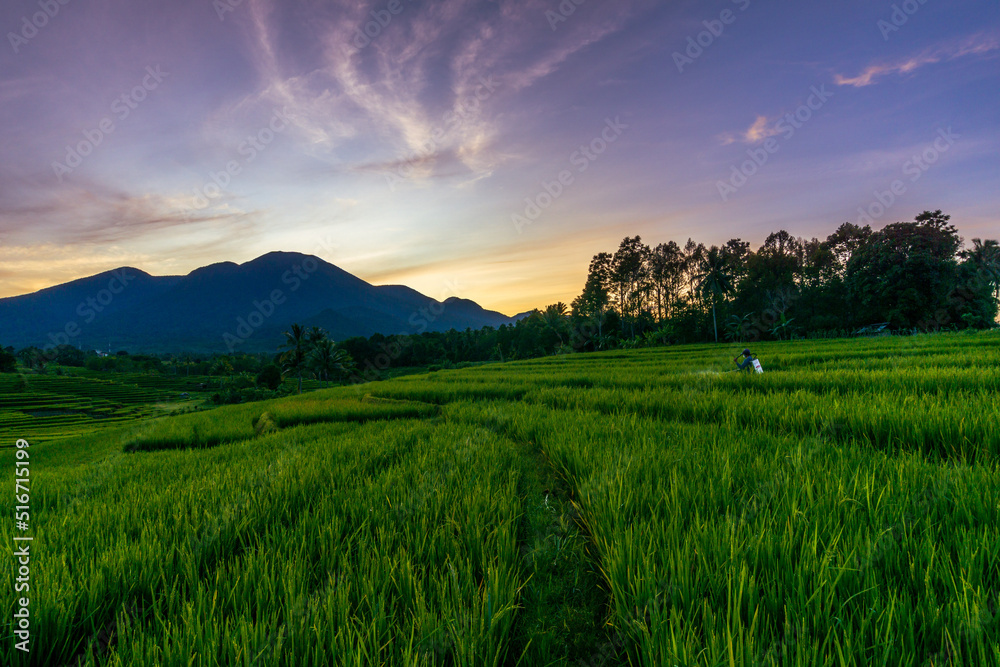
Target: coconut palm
column 985, row 259
column 555, row 319
column 326, row 360
column 714, row 279
column 314, row 335
column 294, row 358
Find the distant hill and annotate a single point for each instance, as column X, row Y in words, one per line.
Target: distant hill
column 226, row 307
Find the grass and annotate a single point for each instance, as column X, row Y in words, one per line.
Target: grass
column 640, row 507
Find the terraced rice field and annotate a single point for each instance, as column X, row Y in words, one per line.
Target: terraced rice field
column 55, row 406
column 638, row 507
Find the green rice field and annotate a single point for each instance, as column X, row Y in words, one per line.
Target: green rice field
column 641, row 507
column 51, row 407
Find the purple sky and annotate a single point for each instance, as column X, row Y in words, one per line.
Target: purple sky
column 247, row 126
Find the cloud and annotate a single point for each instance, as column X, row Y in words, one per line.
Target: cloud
column 762, row 129
column 977, row 45
column 50, row 236
column 413, row 92
column 419, row 163
column 92, row 213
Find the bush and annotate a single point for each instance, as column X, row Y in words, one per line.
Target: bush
column 264, row 424
column 269, row 377
column 8, row 362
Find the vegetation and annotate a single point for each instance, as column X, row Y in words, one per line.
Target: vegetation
column 8, row 362
column 66, row 401
column 65, row 385
column 628, row 507
column 915, row 276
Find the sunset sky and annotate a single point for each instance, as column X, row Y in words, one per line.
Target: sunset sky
column 171, row 135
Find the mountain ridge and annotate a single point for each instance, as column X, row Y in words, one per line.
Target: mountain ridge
column 226, row 307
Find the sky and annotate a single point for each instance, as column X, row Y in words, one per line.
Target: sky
column 484, row 149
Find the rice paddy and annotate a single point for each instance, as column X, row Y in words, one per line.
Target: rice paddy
column 632, row 507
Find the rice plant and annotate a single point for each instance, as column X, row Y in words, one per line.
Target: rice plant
column 643, row 507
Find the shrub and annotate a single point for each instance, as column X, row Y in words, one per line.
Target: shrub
column 269, row 377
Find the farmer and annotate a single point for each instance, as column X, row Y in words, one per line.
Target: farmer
column 746, row 364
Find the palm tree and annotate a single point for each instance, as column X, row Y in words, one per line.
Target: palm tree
column 293, row 360
column 714, row 279
column 555, row 319
column 985, row 259
column 315, row 335
column 326, row 359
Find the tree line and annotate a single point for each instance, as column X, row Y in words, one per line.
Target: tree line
column 912, row 276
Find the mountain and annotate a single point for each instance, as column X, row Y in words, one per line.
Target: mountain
column 226, row 307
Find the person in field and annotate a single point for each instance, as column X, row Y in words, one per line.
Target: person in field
column 746, row 364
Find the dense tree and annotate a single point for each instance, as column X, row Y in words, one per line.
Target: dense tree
column 904, row 273
column 794, row 286
column 692, row 260
column 817, row 263
column 594, row 301
column 8, row 362
column 844, row 242
column 736, row 253
column 974, row 300
column 33, row 358
column 629, row 278
column 222, row 367
column 666, row 276
column 780, row 259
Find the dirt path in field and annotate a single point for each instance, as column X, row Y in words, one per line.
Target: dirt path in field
column 564, row 604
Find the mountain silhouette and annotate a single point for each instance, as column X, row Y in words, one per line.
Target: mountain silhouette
column 226, row 307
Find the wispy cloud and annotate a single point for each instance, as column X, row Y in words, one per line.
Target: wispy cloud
column 50, row 237
column 415, row 89
column 91, row 213
column 762, row 129
column 976, row 45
